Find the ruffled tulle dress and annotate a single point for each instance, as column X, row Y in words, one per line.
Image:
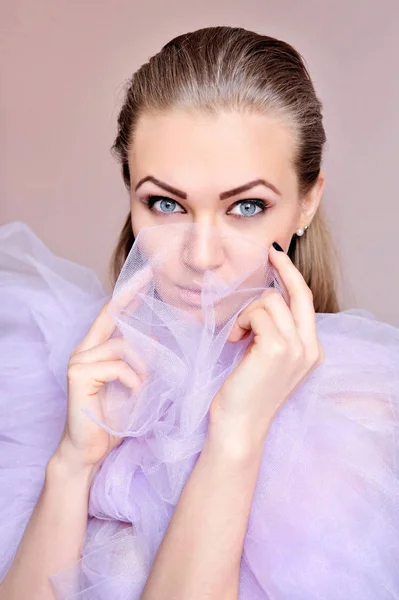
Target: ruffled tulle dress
column 324, row 523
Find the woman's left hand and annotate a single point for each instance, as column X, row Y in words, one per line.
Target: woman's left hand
column 284, row 351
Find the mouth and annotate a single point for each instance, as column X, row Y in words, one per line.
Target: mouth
column 190, row 295
column 194, row 288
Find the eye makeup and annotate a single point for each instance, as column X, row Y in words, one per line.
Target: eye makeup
column 151, row 200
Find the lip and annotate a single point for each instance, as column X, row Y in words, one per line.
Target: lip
column 195, row 289
column 190, row 296
column 193, row 295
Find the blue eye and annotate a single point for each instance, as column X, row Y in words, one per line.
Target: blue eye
column 167, row 206
column 249, row 207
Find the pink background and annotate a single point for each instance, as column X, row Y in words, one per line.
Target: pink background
column 63, row 68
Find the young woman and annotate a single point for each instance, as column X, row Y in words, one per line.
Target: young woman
column 263, row 464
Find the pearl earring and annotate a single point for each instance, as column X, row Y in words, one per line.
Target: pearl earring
column 302, row 231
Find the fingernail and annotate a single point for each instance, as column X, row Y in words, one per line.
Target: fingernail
column 277, row 247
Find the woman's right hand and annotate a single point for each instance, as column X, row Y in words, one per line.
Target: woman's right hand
column 99, row 359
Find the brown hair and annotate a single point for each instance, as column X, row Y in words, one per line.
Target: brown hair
column 231, row 68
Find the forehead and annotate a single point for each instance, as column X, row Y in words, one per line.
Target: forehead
column 192, row 149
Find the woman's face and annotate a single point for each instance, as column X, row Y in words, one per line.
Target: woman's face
column 191, row 167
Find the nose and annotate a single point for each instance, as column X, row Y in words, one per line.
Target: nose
column 203, row 248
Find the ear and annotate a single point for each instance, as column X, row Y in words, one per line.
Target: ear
column 310, row 203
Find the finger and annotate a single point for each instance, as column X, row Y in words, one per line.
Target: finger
column 112, row 349
column 263, row 326
column 275, row 305
column 125, row 293
column 238, row 331
column 95, row 375
column 301, row 300
column 104, row 324
column 273, row 302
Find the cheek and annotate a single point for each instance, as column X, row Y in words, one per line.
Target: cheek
column 140, row 217
column 280, row 227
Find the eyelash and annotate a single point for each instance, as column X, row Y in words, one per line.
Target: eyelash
column 150, row 201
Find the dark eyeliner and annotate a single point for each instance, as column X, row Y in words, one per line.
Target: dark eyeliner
column 150, row 201
column 257, row 201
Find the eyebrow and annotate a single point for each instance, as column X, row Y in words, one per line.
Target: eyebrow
column 222, row 196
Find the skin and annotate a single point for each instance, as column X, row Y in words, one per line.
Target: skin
column 201, row 551
column 175, row 148
column 204, row 156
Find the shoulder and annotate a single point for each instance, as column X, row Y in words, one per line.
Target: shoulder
column 359, row 379
column 357, row 337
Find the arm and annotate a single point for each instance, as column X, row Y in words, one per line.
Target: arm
column 54, row 534
column 201, row 551
column 53, row 537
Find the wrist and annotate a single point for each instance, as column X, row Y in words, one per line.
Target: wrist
column 66, row 463
column 234, row 442
column 238, row 433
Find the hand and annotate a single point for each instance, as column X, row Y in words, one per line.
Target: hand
column 94, row 362
column 283, row 352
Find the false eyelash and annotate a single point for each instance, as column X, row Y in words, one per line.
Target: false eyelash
column 150, row 201
column 257, row 201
